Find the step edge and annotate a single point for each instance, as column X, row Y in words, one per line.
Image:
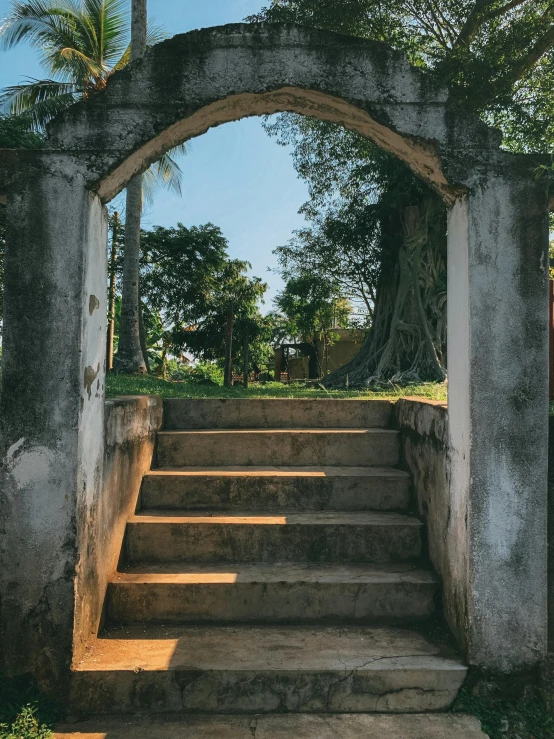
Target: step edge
column 212, row 518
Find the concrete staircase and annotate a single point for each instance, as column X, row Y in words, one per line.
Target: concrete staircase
column 273, row 566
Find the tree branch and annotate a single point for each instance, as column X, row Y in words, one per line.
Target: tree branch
column 540, row 48
column 480, row 15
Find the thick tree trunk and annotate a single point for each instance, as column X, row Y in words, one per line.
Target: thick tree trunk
column 139, row 21
column 111, row 294
column 142, row 334
column 228, row 372
column 246, row 357
column 129, row 357
column 408, row 338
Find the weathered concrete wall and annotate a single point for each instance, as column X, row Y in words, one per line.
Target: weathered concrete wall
column 130, row 427
column 551, row 538
column 51, row 407
column 192, row 82
column 424, row 449
column 498, row 414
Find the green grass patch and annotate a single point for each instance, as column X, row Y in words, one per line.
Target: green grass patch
column 527, row 718
column 25, row 713
column 117, row 385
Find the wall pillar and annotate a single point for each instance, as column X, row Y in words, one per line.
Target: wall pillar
column 498, row 421
column 51, row 407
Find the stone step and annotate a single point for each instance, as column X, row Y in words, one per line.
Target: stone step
column 277, row 488
column 280, row 593
column 222, row 670
column 316, row 537
column 286, row 413
column 295, row 726
column 296, row 447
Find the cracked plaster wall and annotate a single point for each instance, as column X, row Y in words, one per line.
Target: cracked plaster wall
column 130, row 427
column 51, row 412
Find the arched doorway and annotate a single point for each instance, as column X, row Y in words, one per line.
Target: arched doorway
column 54, row 344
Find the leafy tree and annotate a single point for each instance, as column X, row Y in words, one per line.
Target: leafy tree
column 238, row 295
column 15, row 134
column 497, row 58
column 189, row 285
column 313, row 307
column 82, row 43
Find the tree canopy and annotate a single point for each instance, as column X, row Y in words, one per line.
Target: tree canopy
column 188, row 286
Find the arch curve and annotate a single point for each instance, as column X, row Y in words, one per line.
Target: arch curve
column 195, row 81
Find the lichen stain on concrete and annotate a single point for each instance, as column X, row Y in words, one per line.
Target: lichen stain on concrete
column 27, row 467
column 90, row 376
column 12, row 451
column 93, row 304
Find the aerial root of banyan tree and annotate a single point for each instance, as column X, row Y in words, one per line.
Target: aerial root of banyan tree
column 407, row 342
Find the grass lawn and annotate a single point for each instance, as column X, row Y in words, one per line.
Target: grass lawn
column 117, row 385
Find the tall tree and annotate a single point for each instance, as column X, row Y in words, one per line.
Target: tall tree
column 130, row 356
column 189, row 281
column 497, row 57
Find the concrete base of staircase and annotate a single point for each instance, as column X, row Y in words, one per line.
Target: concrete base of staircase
column 447, row 726
column 246, row 669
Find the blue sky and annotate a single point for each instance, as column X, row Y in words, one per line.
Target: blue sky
column 234, row 176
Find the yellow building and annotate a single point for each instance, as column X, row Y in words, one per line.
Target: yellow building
column 314, row 360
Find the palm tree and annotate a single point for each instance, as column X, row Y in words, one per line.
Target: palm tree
column 131, row 355
column 82, row 43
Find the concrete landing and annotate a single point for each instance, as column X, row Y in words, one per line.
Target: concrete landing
column 222, row 670
column 280, row 727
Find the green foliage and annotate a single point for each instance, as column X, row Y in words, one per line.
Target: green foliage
column 15, row 134
column 181, row 269
column 189, row 284
column 25, row 713
column 80, row 45
column 313, row 307
column 206, row 372
column 527, row 718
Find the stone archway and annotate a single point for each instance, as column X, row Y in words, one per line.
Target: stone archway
column 53, row 376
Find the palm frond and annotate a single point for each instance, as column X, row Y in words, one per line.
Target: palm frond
column 38, row 22
column 155, row 34
column 168, row 173
column 108, row 28
column 149, row 186
column 164, row 173
column 39, row 100
column 86, row 66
